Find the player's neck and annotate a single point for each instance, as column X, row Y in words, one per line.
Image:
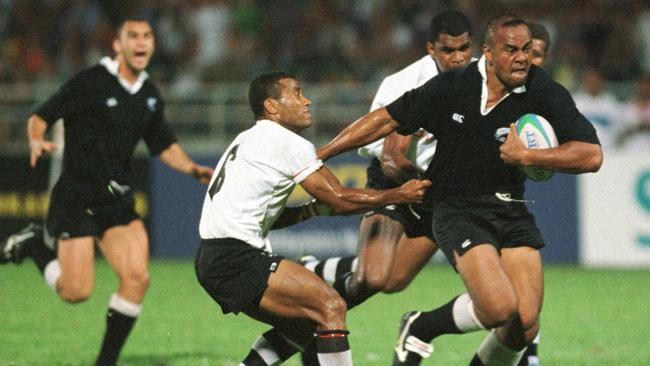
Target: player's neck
column 496, row 89
column 128, row 73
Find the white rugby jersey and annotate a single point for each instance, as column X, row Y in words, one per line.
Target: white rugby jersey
column 252, row 182
column 392, row 87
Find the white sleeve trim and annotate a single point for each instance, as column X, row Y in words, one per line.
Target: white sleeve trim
column 303, row 173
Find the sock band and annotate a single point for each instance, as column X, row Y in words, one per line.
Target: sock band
column 265, row 351
column 332, row 341
column 121, row 305
column 465, row 316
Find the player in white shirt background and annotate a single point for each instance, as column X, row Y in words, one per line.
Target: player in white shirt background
column 246, row 199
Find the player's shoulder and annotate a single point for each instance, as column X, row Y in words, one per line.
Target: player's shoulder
column 540, row 82
column 411, row 72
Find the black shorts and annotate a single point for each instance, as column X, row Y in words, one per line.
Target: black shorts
column 416, row 219
column 461, row 223
column 72, row 213
column 234, row 273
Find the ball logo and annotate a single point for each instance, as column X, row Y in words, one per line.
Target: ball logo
column 536, row 133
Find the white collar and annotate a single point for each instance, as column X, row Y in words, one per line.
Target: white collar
column 113, row 67
column 484, row 91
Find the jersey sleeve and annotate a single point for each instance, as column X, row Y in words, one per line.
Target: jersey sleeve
column 413, row 109
column 70, row 99
column 302, row 160
column 569, row 124
column 158, row 136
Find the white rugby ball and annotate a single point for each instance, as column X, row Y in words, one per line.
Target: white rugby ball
column 536, row 133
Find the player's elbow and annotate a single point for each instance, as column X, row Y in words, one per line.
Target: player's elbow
column 596, row 161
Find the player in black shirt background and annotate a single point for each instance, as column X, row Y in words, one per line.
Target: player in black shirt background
column 480, row 221
column 106, row 110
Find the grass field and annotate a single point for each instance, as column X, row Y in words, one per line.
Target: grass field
column 590, row 317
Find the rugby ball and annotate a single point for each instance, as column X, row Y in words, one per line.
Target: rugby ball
column 536, row 133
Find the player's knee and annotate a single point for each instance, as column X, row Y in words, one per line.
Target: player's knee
column 138, row 280
column 374, row 281
column 397, row 283
column 74, row 292
column 499, row 312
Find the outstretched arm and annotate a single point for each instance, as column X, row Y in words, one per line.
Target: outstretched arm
column 326, row 188
column 571, row 157
column 363, row 131
column 176, row 158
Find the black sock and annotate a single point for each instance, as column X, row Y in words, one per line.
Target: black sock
column 280, row 345
column 118, row 327
column 476, row 361
column 309, row 356
column 531, row 350
column 433, row 323
column 352, row 297
column 344, row 266
column 254, row 359
column 41, row 254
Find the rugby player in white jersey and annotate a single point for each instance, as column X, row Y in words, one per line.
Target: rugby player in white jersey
column 246, row 199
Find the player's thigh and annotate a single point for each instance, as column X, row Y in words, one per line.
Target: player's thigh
column 378, row 238
column 523, row 265
column 295, row 292
column 487, row 283
column 77, row 261
column 126, row 248
column 411, row 255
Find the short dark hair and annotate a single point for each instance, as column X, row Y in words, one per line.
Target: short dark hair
column 129, row 18
column 539, row 31
column 263, row 87
column 451, row 22
column 501, row 21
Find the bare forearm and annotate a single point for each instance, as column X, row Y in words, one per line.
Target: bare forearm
column 571, row 157
column 296, row 214
column 176, row 158
column 363, row 131
column 352, row 201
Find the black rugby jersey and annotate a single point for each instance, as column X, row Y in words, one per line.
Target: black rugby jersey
column 467, row 157
column 103, row 124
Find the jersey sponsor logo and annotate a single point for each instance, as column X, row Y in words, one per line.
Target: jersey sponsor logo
column 458, row 117
column 151, row 103
column 111, row 102
column 466, row 243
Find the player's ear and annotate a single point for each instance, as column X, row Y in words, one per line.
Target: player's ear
column 430, row 48
column 117, row 46
column 271, row 106
column 487, row 52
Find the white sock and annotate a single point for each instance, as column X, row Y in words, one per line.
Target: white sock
column 52, row 273
column 493, row 353
column 335, row 358
column 465, row 316
column 329, row 269
column 124, row 306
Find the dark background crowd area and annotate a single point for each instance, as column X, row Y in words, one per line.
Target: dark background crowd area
column 320, row 40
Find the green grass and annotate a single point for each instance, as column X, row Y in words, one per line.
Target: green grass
column 590, row 317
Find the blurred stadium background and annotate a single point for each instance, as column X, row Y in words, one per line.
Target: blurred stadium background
column 207, row 53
